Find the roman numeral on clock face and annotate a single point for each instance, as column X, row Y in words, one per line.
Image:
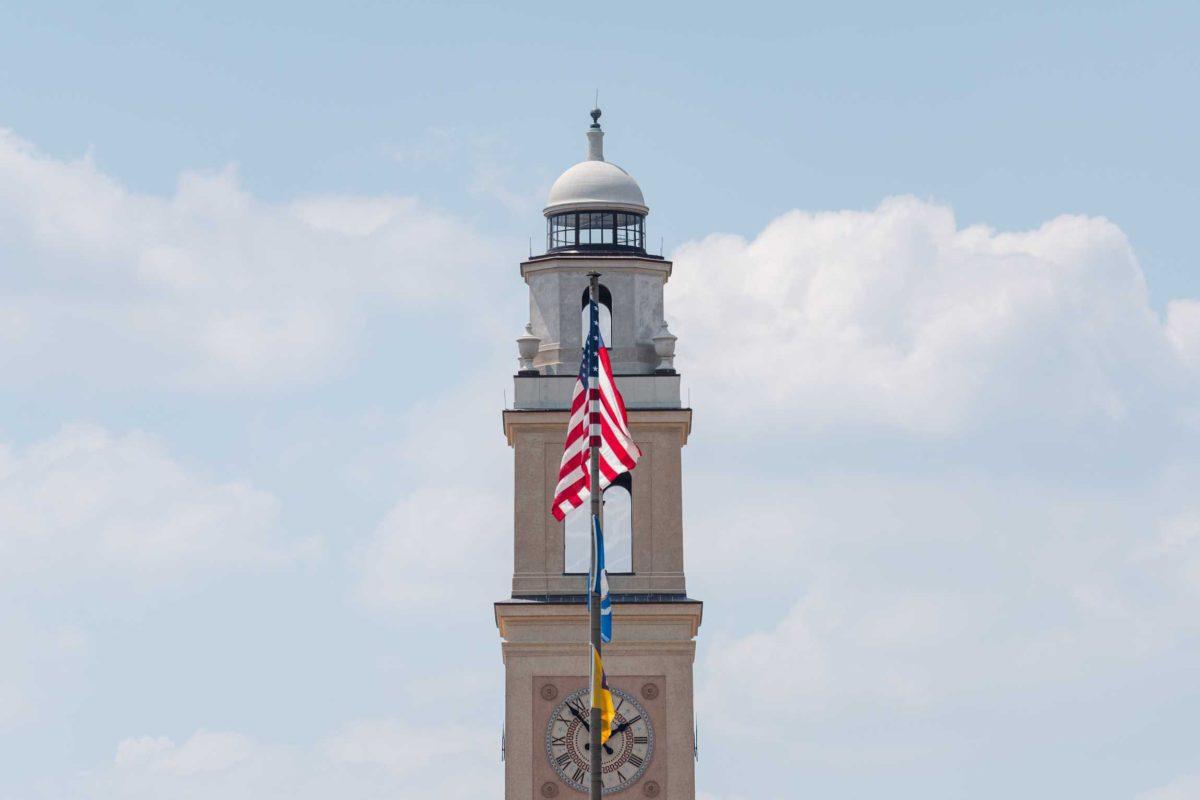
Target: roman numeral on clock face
column 636, row 760
column 558, row 741
column 579, row 775
column 641, row 739
column 563, row 759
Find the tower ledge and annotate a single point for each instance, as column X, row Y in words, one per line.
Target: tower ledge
column 675, row 621
column 553, row 392
column 554, row 421
column 585, row 262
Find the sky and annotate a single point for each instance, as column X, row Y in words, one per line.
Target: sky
column 938, row 317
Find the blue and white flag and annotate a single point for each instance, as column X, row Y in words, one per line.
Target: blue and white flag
column 600, row 584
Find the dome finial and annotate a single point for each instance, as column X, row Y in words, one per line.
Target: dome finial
column 595, row 136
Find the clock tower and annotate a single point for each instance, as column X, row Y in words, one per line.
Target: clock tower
column 596, row 222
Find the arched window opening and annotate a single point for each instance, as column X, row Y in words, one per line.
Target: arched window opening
column 605, row 315
column 577, row 546
column 617, row 523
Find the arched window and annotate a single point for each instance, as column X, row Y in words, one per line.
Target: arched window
column 577, row 546
column 605, row 315
column 618, row 525
column 617, row 521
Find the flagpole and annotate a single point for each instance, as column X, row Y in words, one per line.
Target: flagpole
column 593, row 589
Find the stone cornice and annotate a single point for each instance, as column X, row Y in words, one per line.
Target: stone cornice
column 584, row 263
column 635, row 618
column 656, row 648
column 675, row 419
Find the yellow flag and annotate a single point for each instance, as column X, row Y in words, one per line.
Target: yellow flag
column 602, row 697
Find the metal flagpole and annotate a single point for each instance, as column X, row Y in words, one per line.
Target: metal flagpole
column 593, row 590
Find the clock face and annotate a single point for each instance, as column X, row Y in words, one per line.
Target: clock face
column 625, row 755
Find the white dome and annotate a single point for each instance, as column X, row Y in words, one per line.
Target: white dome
column 595, row 184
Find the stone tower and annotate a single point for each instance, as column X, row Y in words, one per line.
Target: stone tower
column 595, row 219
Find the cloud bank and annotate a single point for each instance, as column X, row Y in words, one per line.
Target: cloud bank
column 86, row 500
column 210, row 287
column 966, row 484
column 897, row 317
column 366, row 758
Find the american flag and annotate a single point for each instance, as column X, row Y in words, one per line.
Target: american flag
column 598, row 419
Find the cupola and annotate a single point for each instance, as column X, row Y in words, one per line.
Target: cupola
column 595, row 205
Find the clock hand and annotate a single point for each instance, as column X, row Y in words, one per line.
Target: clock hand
column 579, row 717
column 587, row 727
column 623, row 726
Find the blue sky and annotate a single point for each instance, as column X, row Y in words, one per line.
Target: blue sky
column 1013, row 113
column 937, row 308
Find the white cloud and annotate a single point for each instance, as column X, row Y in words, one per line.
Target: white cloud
column 366, row 759
column 50, row 657
column 210, row 286
column 205, row 751
column 971, row 484
column 880, row 602
column 437, row 548
column 446, row 542
column 1186, row 787
column 1183, row 329
column 404, row 749
column 899, row 317
column 86, row 498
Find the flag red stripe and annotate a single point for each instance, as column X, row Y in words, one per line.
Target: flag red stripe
column 618, row 453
